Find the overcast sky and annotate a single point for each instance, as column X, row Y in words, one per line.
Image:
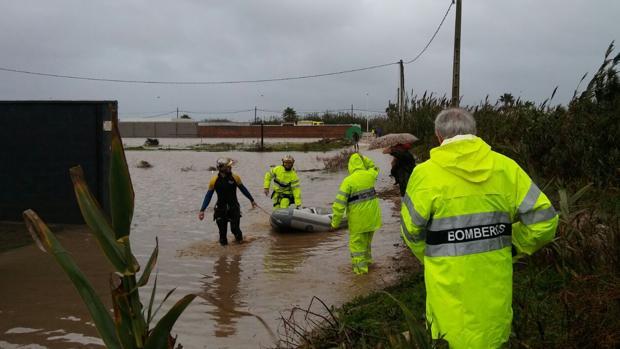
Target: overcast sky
column 525, row 47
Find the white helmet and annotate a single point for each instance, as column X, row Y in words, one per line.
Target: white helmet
column 223, row 162
column 288, row 158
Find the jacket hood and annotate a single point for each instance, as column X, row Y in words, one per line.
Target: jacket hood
column 469, row 159
column 356, row 162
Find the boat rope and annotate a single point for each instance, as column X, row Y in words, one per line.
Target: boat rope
column 263, row 210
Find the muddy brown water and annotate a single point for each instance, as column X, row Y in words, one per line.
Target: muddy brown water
column 262, row 278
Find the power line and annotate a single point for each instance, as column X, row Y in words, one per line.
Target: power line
column 195, row 82
column 222, row 112
column 229, row 82
column 218, row 112
column 342, row 110
column 158, row 115
column 434, row 35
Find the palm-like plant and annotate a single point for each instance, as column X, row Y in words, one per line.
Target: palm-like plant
column 507, row 99
column 289, row 115
column 128, row 327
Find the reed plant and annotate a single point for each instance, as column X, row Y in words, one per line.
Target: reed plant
column 580, row 141
column 130, row 326
column 567, row 295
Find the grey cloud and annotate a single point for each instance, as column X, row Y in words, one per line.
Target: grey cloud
column 524, row 47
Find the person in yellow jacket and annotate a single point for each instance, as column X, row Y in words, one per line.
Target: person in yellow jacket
column 467, row 212
column 286, row 188
column 358, row 199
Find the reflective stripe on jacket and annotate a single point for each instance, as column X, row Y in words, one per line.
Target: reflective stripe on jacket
column 357, row 197
column 462, row 211
column 284, row 182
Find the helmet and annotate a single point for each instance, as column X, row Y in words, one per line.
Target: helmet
column 223, row 162
column 288, row 158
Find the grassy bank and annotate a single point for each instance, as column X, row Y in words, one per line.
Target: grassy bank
column 567, row 295
column 322, row 145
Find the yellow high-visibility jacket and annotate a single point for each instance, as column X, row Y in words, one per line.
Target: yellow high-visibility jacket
column 357, row 197
column 284, row 182
column 463, row 210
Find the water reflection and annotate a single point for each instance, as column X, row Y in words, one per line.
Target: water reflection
column 248, row 286
column 222, row 291
column 288, row 250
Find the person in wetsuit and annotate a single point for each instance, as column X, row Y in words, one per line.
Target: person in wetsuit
column 227, row 209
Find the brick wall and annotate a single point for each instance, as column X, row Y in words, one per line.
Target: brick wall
column 139, row 129
column 271, row 131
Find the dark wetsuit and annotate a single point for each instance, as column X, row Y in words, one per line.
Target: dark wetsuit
column 227, row 206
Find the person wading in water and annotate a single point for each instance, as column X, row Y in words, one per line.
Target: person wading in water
column 227, row 209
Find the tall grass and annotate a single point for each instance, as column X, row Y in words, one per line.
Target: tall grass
column 580, row 142
column 567, row 295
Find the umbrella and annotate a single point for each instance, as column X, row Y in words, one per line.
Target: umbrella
column 348, row 134
column 391, row 140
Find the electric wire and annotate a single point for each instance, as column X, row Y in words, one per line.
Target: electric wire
column 217, row 112
column 223, row 112
column 158, row 115
column 229, row 82
column 432, row 37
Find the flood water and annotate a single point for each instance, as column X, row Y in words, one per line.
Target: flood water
column 239, row 284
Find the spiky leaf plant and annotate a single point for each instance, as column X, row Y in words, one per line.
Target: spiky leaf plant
column 127, row 327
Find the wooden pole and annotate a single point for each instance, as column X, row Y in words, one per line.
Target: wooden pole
column 398, row 101
column 402, row 91
column 262, row 126
column 456, row 67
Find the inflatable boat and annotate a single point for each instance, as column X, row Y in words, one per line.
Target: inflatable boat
column 303, row 219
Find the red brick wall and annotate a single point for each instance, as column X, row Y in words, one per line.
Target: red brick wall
column 270, row 131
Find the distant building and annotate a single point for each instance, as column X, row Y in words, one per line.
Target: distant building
column 309, row 123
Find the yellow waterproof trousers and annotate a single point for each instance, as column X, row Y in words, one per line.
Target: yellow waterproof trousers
column 361, row 252
column 282, row 200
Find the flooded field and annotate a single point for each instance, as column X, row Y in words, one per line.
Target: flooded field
column 185, row 142
column 239, row 284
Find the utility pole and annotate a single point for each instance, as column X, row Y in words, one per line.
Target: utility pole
column 255, row 115
column 398, row 100
column 401, row 108
column 177, row 112
column 351, row 110
column 262, row 134
column 456, row 67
